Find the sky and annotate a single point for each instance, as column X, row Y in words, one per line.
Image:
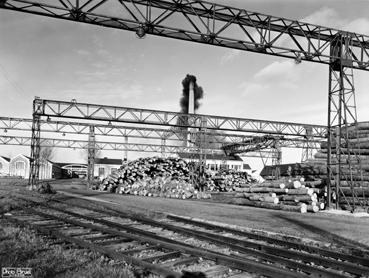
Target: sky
column 56, row 59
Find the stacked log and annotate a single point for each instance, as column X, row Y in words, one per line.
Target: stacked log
column 284, row 194
column 228, row 180
column 354, row 151
column 153, row 177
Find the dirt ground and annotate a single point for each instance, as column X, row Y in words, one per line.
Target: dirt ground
column 343, row 230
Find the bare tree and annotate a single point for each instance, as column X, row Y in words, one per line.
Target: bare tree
column 84, row 154
column 47, row 153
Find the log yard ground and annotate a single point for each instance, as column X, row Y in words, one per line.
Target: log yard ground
column 53, row 257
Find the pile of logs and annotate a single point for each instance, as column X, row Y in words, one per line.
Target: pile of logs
column 153, row 177
column 228, row 180
column 354, row 151
column 285, row 194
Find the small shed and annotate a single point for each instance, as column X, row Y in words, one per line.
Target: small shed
column 19, row 166
column 106, row 166
column 4, row 166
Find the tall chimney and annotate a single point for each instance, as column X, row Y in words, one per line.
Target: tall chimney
column 191, row 108
column 191, row 98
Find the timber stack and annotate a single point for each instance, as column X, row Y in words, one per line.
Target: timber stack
column 229, row 180
column 153, row 177
column 354, row 159
column 287, row 194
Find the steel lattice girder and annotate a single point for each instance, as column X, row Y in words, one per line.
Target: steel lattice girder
column 113, row 146
column 206, row 23
column 23, row 124
column 51, row 126
column 86, row 111
column 266, row 142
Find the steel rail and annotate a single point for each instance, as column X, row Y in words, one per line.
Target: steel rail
column 153, row 268
column 231, row 261
column 363, row 259
column 263, row 251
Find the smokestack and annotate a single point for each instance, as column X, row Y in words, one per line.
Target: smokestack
column 191, row 98
column 190, row 81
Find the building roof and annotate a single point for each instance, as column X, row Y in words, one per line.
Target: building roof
column 283, row 169
column 26, row 157
column 61, row 164
column 5, row 158
column 210, row 156
column 108, row 161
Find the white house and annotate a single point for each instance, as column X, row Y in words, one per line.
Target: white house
column 4, row 166
column 20, row 166
column 106, row 166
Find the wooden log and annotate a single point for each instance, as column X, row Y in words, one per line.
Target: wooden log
column 272, row 184
column 264, row 190
column 301, row 191
column 246, row 202
column 298, row 198
column 312, row 208
column 357, row 190
column 246, row 195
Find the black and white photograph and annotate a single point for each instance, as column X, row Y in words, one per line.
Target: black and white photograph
column 184, row 138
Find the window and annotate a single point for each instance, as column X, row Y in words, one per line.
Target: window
column 113, row 170
column 19, row 165
column 101, row 171
column 1, row 166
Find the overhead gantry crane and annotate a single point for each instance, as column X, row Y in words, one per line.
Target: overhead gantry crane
column 224, row 26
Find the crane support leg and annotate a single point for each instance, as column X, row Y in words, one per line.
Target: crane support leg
column 91, row 156
column 35, row 144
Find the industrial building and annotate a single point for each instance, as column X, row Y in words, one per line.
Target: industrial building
column 106, row 166
column 215, row 162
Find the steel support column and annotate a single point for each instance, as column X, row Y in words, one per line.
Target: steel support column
column 309, row 146
column 126, row 150
column 35, row 144
column 342, row 121
column 91, row 156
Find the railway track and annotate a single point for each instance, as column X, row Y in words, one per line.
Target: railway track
column 167, row 246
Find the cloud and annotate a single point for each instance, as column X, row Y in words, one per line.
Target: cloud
column 331, row 18
column 229, row 56
column 284, row 75
column 325, row 17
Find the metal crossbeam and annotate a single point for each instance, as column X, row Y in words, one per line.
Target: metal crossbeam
column 264, row 142
column 172, row 134
column 206, row 23
column 87, row 111
column 69, row 127
column 112, row 146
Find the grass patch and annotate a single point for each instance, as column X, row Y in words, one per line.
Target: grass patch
column 21, row 247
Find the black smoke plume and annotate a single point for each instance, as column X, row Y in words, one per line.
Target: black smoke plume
column 198, row 93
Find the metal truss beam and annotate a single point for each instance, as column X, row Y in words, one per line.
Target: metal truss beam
column 172, row 134
column 113, row 146
column 65, row 127
column 206, row 23
column 264, row 142
column 86, row 111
